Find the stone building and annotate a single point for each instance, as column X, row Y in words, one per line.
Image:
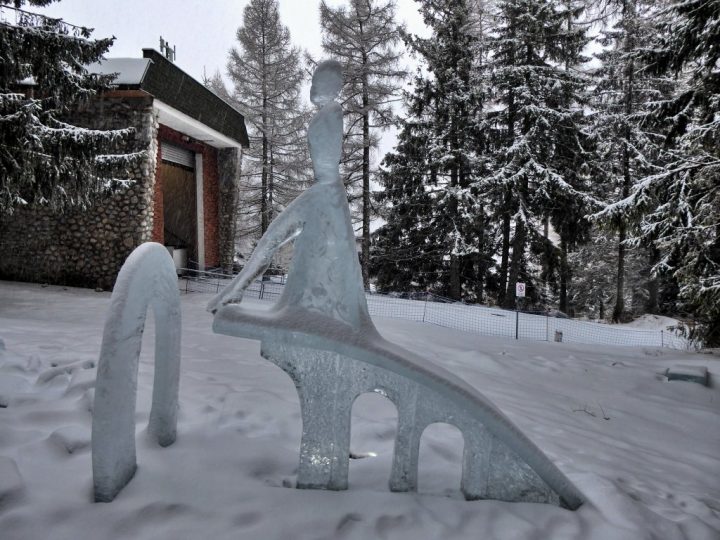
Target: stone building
column 182, row 193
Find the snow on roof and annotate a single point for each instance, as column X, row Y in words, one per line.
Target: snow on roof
column 129, row 70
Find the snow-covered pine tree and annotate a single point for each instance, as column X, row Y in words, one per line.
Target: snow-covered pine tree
column 267, row 76
column 43, row 159
column 573, row 160
column 402, row 258
column 538, row 112
column 626, row 149
column 679, row 205
column 430, row 178
column 363, row 36
column 594, row 267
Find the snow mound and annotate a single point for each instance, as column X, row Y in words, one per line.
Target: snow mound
column 654, row 322
column 12, row 485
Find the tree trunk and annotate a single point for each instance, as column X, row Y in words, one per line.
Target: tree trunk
column 264, row 223
column 505, row 255
column 454, row 277
column 365, row 253
column 481, row 267
column 653, row 286
column 564, row 277
column 619, row 292
column 628, row 16
column 503, row 294
column 515, row 263
column 271, row 187
column 622, row 236
column 547, row 254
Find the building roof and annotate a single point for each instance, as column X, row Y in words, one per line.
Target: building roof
column 167, row 83
column 130, row 71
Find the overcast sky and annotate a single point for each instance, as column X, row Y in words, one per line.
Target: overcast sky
column 203, row 31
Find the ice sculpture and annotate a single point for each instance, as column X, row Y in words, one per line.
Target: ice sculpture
column 146, row 279
column 320, row 333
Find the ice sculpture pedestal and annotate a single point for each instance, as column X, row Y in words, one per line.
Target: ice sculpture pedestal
column 329, row 383
column 331, row 365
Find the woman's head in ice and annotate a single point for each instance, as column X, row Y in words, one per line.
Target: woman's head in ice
column 326, row 82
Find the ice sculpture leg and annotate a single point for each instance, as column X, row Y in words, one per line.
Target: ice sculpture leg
column 329, row 382
column 404, row 472
column 146, row 279
column 326, row 406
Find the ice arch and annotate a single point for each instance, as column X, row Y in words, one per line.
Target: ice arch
column 146, row 279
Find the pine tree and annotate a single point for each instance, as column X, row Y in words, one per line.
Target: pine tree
column 267, row 78
column 624, row 91
column 679, row 204
column 402, row 257
column 431, row 175
column 594, row 266
column 363, row 36
column 43, row 159
column 539, row 120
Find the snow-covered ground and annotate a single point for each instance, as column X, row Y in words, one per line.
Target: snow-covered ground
column 645, row 452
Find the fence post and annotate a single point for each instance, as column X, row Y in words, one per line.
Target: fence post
column 425, row 306
column 262, row 288
column 662, row 339
column 517, row 323
column 547, row 326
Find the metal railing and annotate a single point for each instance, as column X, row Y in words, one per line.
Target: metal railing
column 491, row 321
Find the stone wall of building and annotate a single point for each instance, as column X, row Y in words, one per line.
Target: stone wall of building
column 87, row 247
column 229, row 167
column 211, row 201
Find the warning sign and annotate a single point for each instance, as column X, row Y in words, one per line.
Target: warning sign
column 520, row 290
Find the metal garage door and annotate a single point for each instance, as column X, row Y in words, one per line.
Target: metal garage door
column 176, row 154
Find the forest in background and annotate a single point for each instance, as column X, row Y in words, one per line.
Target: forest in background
column 568, row 145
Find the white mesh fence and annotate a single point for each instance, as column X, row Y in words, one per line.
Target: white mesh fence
column 483, row 320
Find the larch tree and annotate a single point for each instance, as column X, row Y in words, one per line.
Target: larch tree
column 44, row 160
column 267, row 76
column 364, row 37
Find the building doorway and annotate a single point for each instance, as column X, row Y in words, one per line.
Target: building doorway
column 179, row 208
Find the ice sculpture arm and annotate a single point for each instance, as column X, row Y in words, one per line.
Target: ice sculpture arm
column 286, row 227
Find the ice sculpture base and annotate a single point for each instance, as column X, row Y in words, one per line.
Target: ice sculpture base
column 331, row 364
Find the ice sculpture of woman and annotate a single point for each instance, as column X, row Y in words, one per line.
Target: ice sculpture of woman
column 325, row 277
column 321, row 335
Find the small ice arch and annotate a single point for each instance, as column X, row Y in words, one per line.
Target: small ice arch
column 147, row 279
